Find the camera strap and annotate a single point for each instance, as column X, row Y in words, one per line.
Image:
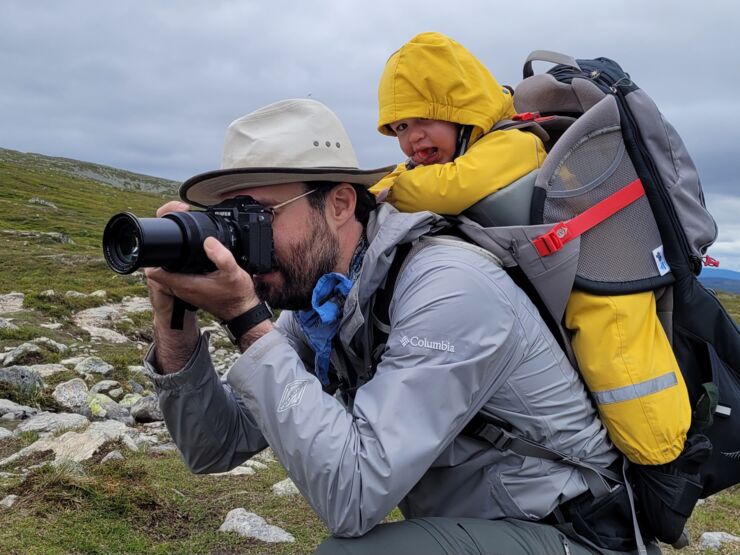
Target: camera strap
column 178, row 313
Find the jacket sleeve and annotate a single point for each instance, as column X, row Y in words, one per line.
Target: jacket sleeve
column 388, row 181
column 447, row 352
column 207, row 419
column 494, row 161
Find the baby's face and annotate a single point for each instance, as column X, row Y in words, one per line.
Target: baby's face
column 426, row 141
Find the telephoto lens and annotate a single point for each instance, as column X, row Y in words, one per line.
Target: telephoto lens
column 175, row 241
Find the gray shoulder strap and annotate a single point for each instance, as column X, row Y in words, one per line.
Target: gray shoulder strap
column 531, row 126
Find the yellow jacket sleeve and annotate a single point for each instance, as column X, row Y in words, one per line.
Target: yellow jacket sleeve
column 493, row 162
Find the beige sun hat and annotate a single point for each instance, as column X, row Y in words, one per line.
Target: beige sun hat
column 285, row 142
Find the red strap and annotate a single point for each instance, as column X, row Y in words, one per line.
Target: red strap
column 525, row 116
column 553, row 240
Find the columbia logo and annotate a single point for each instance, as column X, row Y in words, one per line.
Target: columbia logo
column 416, row 341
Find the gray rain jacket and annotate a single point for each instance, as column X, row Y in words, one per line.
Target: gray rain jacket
column 463, row 338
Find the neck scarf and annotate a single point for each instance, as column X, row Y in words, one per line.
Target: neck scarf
column 320, row 323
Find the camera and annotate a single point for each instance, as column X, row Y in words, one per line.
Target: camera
column 175, row 241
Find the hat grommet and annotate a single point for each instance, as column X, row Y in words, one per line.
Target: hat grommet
column 316, row 143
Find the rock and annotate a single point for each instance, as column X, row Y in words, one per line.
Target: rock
column 47, row 370
column 79, row 446
column 104, row 386
column 23, row 353
column 136, row 369
column 75, row 295
column 147, row 409
column 285, row 488
column 103, row 407
column 164, row 448
column 251, row 525
column 238, row 471
column 72, row 394
column 99, row 294
column 20, row 379
column 6, row 324
column 255, row 464
column 51, row 326
column 116, row 393
column 5, row 433
column 48, row 294
column 93, row 365
column 42, row 202
column 8, row 501
column 266, row 456
column 11, row 302
column 50, row 344
column 47, row 422
column 130, row 400
column 16, row 411
column 96, row 321
column 135, row 386
column 72, row 362
column 715, row 540
column 112, row 456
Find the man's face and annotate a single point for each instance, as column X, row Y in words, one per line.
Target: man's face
column 426, row 141
column 305, row 247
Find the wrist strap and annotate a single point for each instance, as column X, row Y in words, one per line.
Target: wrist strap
column 237, row 327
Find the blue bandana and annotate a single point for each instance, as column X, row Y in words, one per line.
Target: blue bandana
column 321, row 322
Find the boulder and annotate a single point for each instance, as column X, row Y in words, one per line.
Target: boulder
column 285, row 488
column 47, row 370
column 22, row 354
column 717, row 540
column 72, row 394
column 11, row 302
column 48, row 422
column 51, row 345
column 251, row 525
column 20, row 379
column 6, row 324
column 15, row 411
column 104, row 386
column 93, row 365
column 147, row 409
column 102, row 407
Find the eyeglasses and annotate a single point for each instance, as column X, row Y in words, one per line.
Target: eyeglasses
column 272, row 209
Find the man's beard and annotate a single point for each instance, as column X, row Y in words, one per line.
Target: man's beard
column 317, row 254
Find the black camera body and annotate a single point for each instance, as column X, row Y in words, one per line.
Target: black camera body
column 175, row 241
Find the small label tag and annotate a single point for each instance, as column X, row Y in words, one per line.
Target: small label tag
column 660, row 261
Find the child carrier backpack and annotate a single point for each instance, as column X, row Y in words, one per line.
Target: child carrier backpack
column 616, row 209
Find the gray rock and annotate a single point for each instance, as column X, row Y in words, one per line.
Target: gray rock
column 47, row 422
column 102, row 407
column 79, row 446
column 23, row 353
column 135, row 386
column 112, row 456
column 42, row 202
column 137, row 369
column 51, row 345
column 48, row 294
column 11, row 302
column 164, row 448
column 147, row 409
column 75, row 295
column 73, row 361
column 99, row 294
column 17, row 412
column 20, row 379
column 72, row 394
column 716, row 540
column 116, row 393
column 130, row 400
column 8, row 501
column 93, row 365
column 5, row 433
column 285, row 488
column 238, row 471
column 251, row 525
column 47, row 370
column 104, row 386
column 6, row 324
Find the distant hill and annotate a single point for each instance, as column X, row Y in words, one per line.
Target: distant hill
column 114, row 177
column 721, row 280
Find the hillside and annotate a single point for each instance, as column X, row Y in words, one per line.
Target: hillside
column 61, row 310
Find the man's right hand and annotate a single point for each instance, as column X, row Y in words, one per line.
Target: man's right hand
column 173, row 347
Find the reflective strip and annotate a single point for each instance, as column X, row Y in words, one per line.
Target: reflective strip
column 642, row 389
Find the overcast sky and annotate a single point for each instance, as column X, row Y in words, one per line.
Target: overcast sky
column 150, row 86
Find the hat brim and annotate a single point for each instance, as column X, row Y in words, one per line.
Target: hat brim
column 207, row 189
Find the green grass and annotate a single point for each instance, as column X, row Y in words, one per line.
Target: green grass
column 148, row 503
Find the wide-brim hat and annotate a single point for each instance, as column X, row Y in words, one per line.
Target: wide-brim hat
column 298, row 140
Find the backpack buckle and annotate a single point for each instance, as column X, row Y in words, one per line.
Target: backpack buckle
column 552, row 241
column 526, row 116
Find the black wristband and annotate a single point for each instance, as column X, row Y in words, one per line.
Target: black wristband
column 236, row 327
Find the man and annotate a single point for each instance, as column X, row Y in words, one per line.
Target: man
column 361, row 431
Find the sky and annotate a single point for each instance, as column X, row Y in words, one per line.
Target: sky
column 150, row 86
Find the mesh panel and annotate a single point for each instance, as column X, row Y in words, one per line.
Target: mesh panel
column 618, row 250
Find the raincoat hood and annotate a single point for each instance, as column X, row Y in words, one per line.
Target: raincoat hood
column 434, row 77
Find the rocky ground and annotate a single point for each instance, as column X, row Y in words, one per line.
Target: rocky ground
column 84, row 408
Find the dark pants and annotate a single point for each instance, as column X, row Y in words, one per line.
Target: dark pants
column 461, row 536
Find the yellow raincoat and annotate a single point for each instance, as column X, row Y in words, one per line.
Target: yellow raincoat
column 621, row 348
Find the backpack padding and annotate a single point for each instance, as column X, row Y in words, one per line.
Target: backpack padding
column 547, row 56
column 547, row 95
column 505, row 207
